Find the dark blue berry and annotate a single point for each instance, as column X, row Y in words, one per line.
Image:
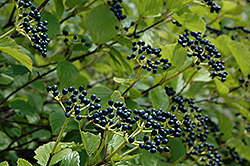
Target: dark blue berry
column 67, row 114
column 78, row 117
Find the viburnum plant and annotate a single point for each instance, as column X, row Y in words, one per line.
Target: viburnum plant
column 124, row 82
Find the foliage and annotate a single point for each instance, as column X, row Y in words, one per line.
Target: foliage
column 132, row 82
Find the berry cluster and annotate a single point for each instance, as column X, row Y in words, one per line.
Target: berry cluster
column 148, row 57
column 195, row 128
column 202, row 50
column 158, row 125
column 127, row 28
column 108, row 117
column 36, row 32
column 75, row 38
column 176, row 23
column 77, row 101
column 234, row 154
column 237, row 29
column 116, row 8
column 245, row 82
column 213, row 7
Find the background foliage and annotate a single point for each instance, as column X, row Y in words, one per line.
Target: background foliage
column 29, row 116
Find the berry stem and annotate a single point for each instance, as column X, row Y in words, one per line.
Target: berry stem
column 131, row 150
column 58, row 140
column 169, row 78
column 136, row 80
column 7, row 33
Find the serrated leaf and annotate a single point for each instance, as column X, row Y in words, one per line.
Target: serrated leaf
column 67, row 73
column 18, row 55
column 158, row 98
column 116, row 96
column 23, row 162
column 91, row 142
column 43, row 153
column 241, row 55
column 53, row 26
column 73, row 159
column 59, row 7
column 4, row 163
column 5, row 79
column 191, row 21
column 99, row 24
column 149, row 7
column 24, row 107
column 221, row 88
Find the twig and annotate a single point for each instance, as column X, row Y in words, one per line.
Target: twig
column 26, row 84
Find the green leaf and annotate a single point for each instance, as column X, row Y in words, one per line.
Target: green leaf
column 73, row 159
column 35, row 100
column 42, row 134
column 23, row 162
column 5, row 79
column 104, row 93
column 91, row 142
column 241, row 55
column 59, row 7
column 243, row 150
column 9, row 42
column 221, row 88
column 67, row 73
column 159, row 98
column 149, row 7
column 4, row 163
column 134, row 93
column 177, row 148
column 100, row 25
column 24, row 107
column 53, row 26
column 116, row 96
column 118, row 56
column 176, row 5
column 147, row 158
column 131, row 104
column 115, row 142
column 56, row 120
column 225, row 126
column 176, row 55
column 191, row 21
column 9, row 46
column 73, row 3
column 43, row 153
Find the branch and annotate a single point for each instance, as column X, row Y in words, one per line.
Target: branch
column 165, row 80
column 42, row 5
column 25, row 123
column 26, row 84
